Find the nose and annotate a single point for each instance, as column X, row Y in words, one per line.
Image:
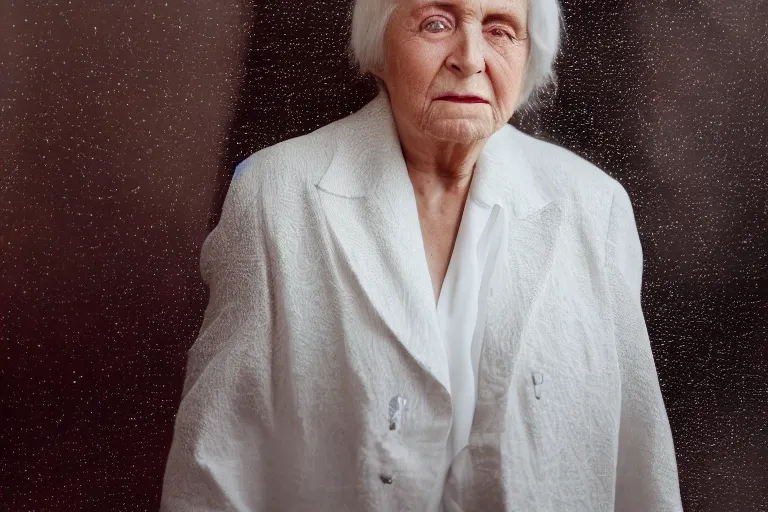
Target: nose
column 467, row 56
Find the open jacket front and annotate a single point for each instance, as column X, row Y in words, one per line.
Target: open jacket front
column 319, row 381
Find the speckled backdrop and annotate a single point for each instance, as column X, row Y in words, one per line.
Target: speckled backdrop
column 120, row 126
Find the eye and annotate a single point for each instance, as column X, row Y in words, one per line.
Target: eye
column 500, row 32
column 436, row 25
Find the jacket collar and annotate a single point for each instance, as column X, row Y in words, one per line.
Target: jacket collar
column 368, row 145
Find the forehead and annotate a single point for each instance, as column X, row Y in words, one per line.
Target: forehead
column 469, row 6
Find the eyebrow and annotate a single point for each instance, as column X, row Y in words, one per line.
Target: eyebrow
column 505, row 15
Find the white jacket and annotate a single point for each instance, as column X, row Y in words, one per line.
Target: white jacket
column 321, row 325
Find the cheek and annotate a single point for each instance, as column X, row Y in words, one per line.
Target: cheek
column 507, row 78
column 417, row 63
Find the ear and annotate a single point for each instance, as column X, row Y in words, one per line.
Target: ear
column 379, row 75
column 377, row 70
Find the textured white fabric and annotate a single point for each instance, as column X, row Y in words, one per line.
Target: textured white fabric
column 457, row 312
column 322, row 315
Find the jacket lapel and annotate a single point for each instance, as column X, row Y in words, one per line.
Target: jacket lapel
column 511, row 179
column 528, row 196
column 371, row 209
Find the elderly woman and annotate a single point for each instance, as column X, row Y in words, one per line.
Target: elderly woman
column 419, row 307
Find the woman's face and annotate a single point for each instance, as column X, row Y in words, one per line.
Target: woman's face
column 436, row 49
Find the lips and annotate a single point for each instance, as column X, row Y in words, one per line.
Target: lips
column 462, row 99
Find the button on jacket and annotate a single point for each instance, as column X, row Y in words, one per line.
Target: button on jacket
column 320, row 381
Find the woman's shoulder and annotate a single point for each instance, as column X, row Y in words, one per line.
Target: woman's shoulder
column 279, row 180
column 563, row 170
column 305, row 159
column 589, row 191
column 563, row 164
column 304, row 156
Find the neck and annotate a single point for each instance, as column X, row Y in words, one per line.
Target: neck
column 437, row 167
column 439, row 170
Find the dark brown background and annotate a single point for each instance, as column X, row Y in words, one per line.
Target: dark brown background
column 121, row 125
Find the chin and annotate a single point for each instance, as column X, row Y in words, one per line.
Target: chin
column 462, row 131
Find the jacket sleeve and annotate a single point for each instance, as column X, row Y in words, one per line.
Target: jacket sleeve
column 646, row 472
column 219, row 452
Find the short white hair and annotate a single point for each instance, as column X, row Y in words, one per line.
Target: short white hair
column 371, row 17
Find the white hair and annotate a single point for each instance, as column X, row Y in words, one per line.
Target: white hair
column 370, row 19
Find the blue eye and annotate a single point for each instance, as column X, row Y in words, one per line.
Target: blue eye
column 436, row 26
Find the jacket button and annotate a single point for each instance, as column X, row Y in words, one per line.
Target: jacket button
column 386, row 479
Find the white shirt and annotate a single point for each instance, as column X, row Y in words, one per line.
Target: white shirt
column 460, row 310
